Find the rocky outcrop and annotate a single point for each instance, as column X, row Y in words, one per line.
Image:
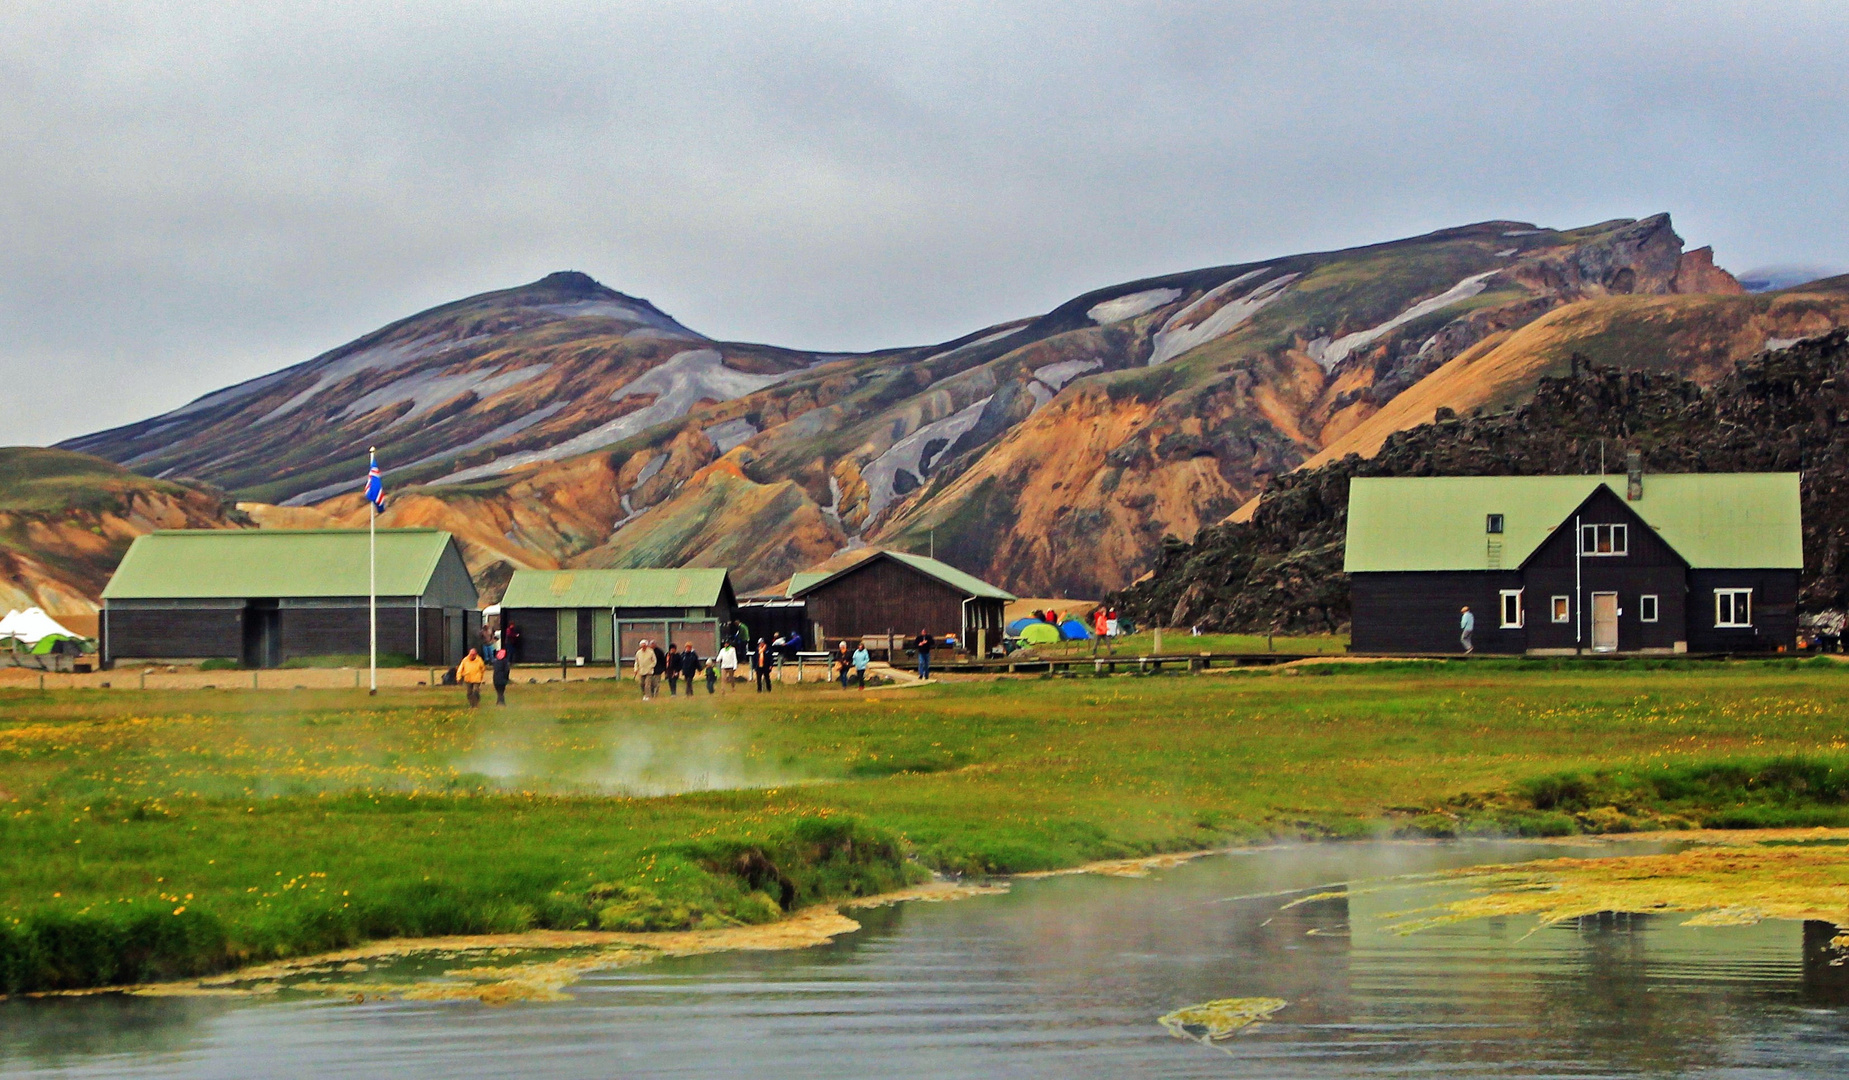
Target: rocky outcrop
column 1784, row 410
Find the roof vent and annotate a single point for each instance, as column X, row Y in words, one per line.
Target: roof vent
column 1634, row 466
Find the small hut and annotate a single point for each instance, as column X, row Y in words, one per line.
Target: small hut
column 898, row 593
column 598, row 616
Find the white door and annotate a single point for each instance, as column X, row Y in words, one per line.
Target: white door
column 1604, row 622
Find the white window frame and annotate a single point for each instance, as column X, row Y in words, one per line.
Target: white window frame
column 1733, row 622
column 1562, row 609
column 1649, row 607
column 1502, row 609
column 1618, row 535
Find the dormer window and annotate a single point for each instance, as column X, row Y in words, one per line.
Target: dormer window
column 1493, row 524
column 1604, row 539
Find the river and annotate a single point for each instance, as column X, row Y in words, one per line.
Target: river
column 1064, row 977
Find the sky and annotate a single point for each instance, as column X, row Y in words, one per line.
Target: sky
column 192, row 195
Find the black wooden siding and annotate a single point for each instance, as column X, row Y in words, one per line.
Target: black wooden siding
column 1418, row 611
column 180, row 631
column 882, row 595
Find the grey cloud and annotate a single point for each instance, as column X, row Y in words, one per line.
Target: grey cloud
column 197, row 194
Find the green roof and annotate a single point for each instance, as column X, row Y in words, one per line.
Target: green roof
column 683, row 588
column 1713, row 520
column 802, row 579
column 265, row 563
column 944, row 572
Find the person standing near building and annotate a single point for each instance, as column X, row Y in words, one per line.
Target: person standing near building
column 470, row 674
column 645, row 667
column 1466, row 625
column 503, row 673
column 689, row 662
column 843, row 662
column 728, row 665
column 661, row 665
column 673, row 666
column 514, row 642
column 861, row 659
column 712, row 676
column 760, row 665
column 923, row 644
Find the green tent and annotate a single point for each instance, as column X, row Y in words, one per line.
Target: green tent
column 1040, row 634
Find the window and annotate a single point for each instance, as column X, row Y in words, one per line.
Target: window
column 1604, row 539
column 1511, row 609
column 1563, row 609
column 1493, row 523
column 1646, row 608
column 1733, row 607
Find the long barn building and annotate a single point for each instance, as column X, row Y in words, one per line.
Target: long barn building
column 266, row 596
column 1555, row 565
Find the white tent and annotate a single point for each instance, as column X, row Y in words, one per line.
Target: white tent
column 31, row 626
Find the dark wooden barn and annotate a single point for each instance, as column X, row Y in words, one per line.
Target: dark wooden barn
column 899, row 593
column 601, row 615
column 266, row 596
column 1560, row 565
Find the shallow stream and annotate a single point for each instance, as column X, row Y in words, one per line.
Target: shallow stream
column 1066, row 977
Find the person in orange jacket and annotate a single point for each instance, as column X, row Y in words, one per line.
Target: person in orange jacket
column 470, row 674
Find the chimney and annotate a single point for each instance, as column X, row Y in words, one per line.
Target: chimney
column 1634, row 465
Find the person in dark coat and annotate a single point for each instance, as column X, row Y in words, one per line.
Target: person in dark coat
column 514, row 642
column 689, row 662
column 923, row 644
column 661, row 663
column 844, row 662
column 503, row 673
column 760, row 664
column 674, row 671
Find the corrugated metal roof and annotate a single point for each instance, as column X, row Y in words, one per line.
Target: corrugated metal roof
column 802, row 579
column 264, row 563
column 1714, row 520
column 944, row 572
column 682, row 588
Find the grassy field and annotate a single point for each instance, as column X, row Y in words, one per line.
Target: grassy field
column 168, row 833
column 1181, row 642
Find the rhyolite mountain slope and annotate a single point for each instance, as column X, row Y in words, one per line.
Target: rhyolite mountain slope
column 66, row 520
column 565, row 424
column 1786, row 409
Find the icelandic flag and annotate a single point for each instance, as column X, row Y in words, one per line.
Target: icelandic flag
column 375, row 486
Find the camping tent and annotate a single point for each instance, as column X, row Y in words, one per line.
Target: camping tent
column 1039, row 633
column 1018, row 625
column 34, row 631
column 1074, row 630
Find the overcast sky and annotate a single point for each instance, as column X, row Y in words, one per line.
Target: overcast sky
column 194, row 195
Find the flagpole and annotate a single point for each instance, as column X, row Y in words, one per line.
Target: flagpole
column 372, row 583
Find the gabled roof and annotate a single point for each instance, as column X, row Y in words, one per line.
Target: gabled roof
column 967, row 584
column 802, row 579
column 266, row 563
column 1713, row 520
column 682, row 588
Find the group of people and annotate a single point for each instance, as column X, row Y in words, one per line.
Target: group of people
column 473, row 671
column 679, row 663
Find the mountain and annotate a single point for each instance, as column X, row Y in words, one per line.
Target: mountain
column 562, row 423
column 66, row 519
column 1786, row 409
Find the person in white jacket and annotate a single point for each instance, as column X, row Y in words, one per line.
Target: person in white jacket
column 728, row 665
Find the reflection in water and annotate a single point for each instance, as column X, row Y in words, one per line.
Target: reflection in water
column 1066, row 977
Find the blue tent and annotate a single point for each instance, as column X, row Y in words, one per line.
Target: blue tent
column 1018, row 625
column 1074, row 630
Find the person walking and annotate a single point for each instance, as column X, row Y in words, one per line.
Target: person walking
column 503, row 673
column 689, row 662
column 843, row 662
column 760, row 664
column 712, row 676
column 923, row 644
column 861, row 659
column 1466, row 625
column 470, row 674
column 661, row 665
column 728, row 666
column 645, row 667
column 674, row 672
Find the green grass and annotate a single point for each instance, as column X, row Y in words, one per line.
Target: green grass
column 152, row 834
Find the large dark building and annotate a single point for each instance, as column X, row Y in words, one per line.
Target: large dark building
column 1557, row 565
column 599, row 616
column 265, row 596
column 899, row 593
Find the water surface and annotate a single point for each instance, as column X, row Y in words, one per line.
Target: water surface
column 1064, row 977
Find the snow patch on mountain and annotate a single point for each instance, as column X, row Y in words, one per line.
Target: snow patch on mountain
column 377, row 358
column 1338, row 350
column 909, row 454
column 731, row 433
column 685, row 380
column 1119, row 308
column 616, row 309
column 1177, row 336
column 427, row 389
column 1058, row 375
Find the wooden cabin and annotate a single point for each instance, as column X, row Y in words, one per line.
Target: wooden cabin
column 599, row 616
column 266, row 596
column 1561, row 565
column 895, row 592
